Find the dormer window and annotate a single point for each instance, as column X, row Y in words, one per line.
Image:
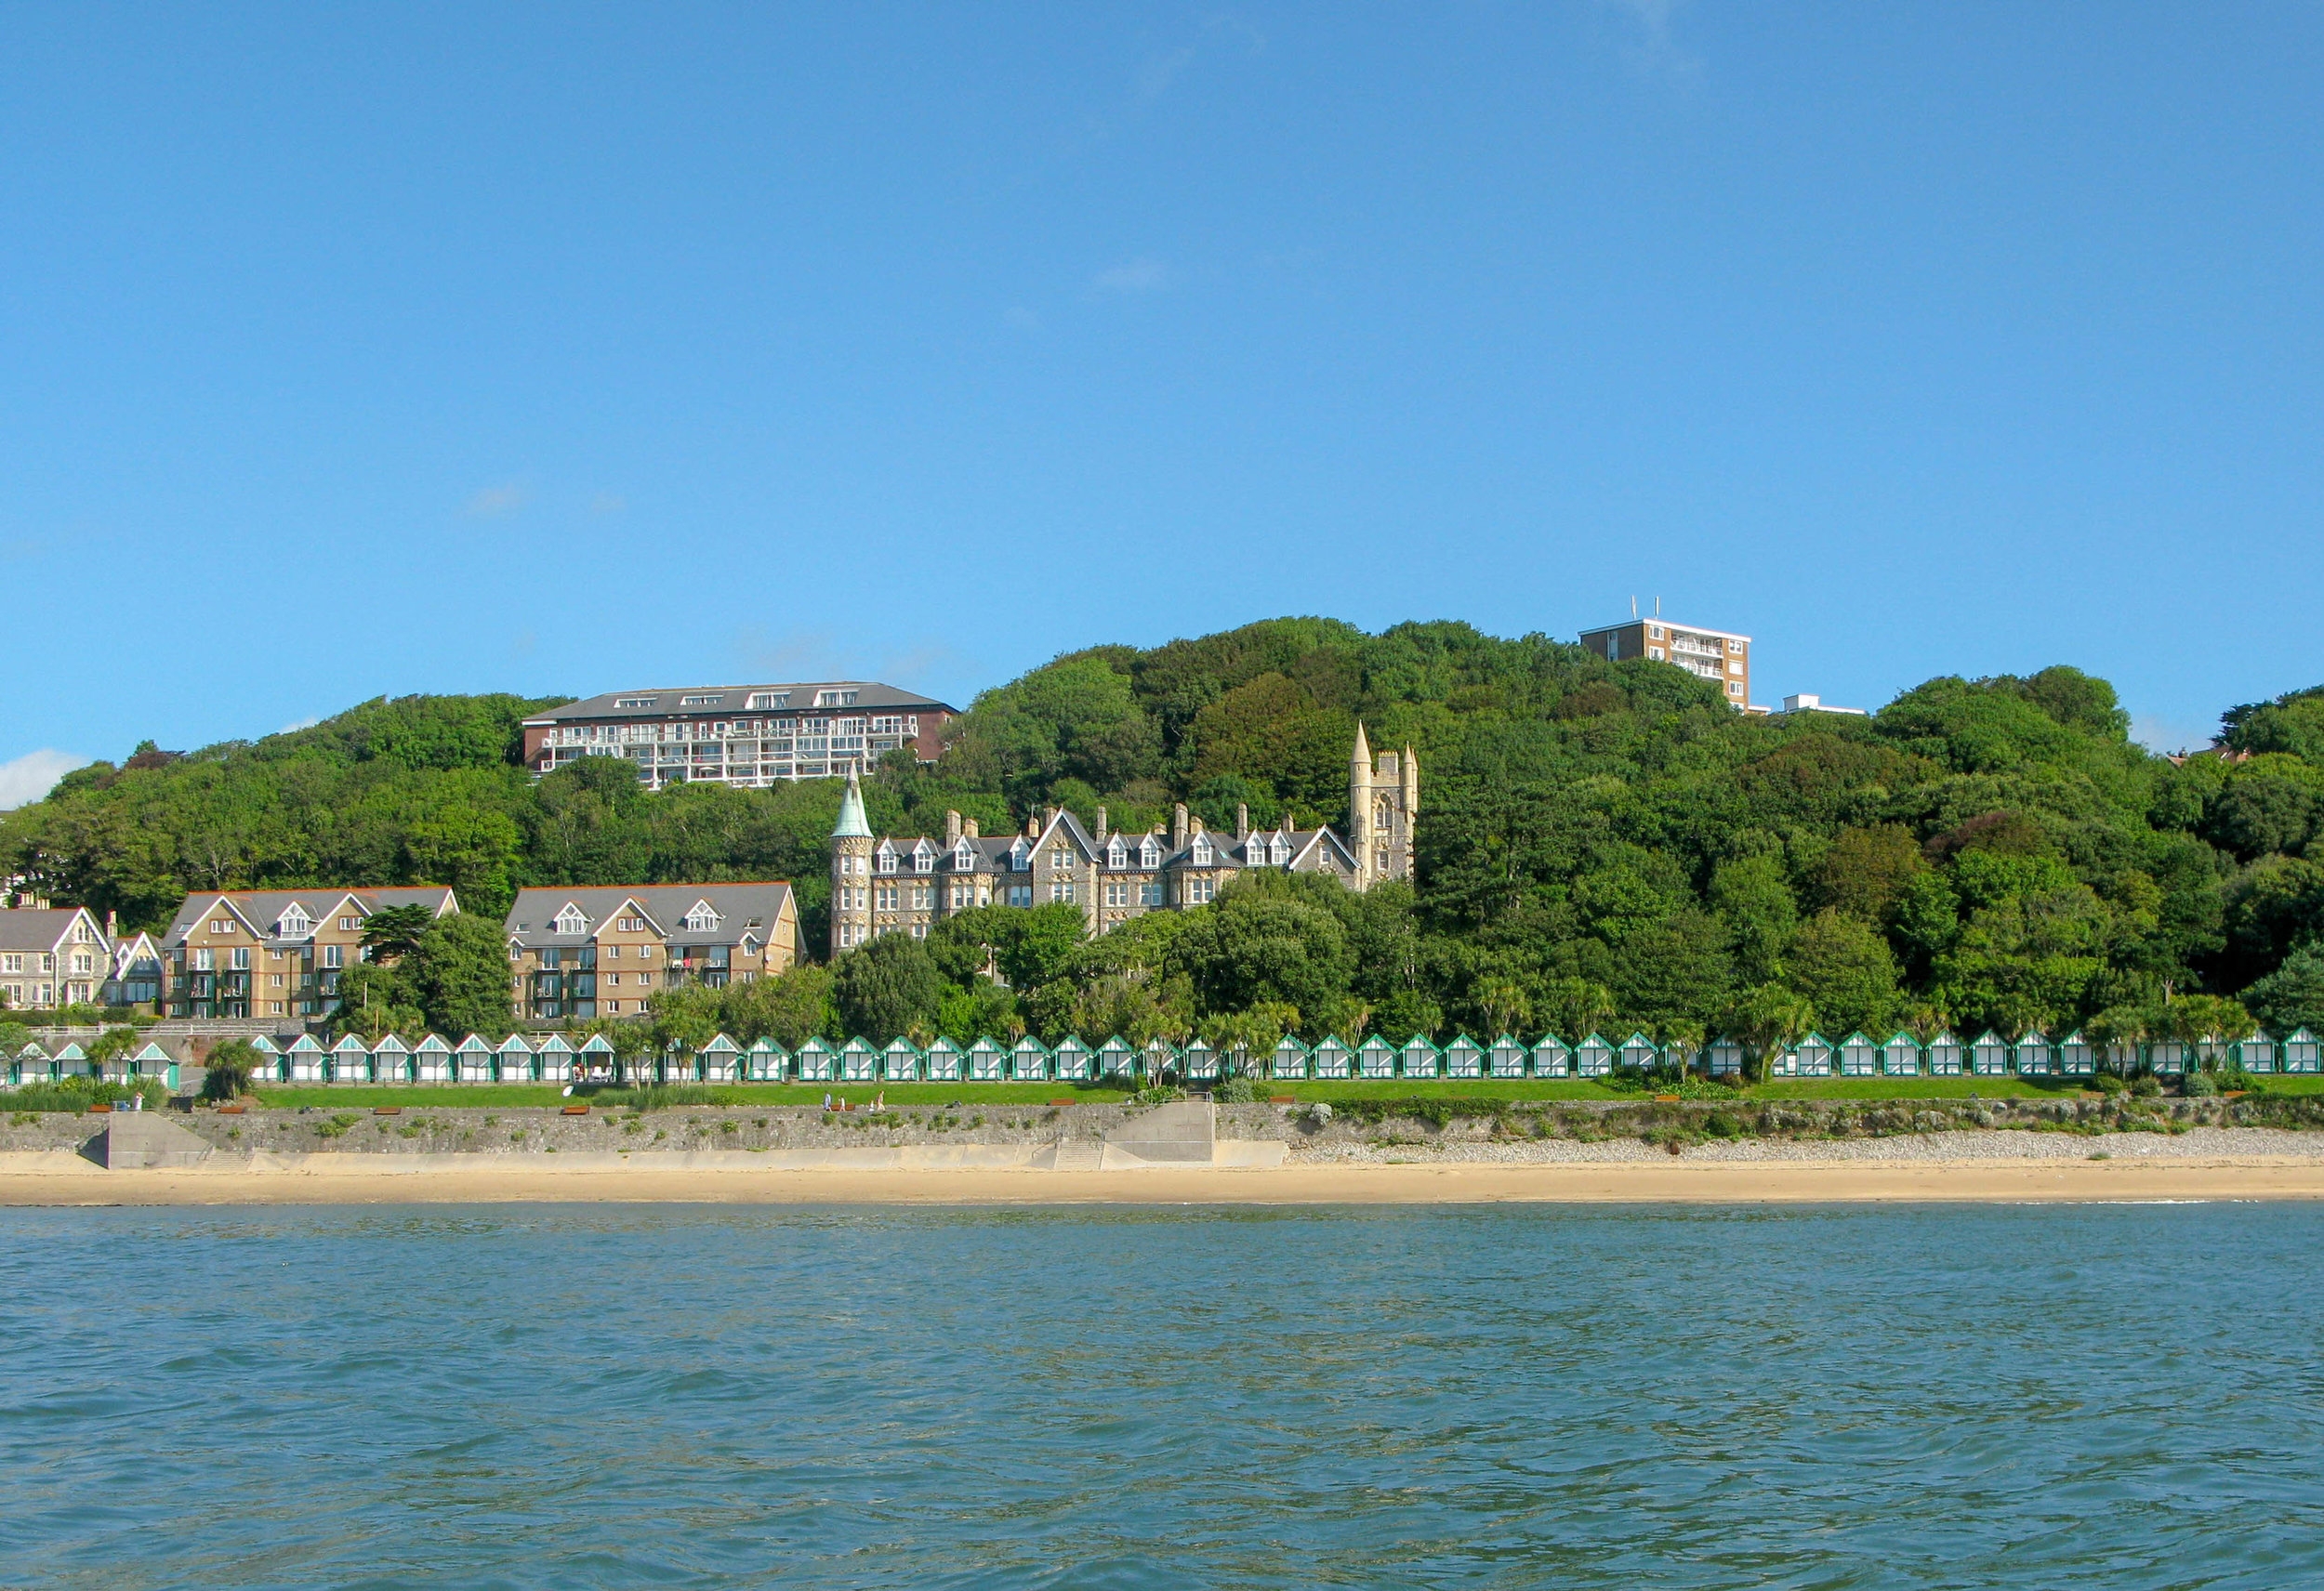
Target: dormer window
column 887, row 858
column 1117, row 854
column 1150, row 853
column 701, row 700
column 1280, row 852
column 634, row 701
column 296, row 925
column 923, row 857
column 571, row 921
column 964, row 856
column 1020, row 857
column 770, row 701
column 1201, row 852
column 835, row 699
column 702, row 919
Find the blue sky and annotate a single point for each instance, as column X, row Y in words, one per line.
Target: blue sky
column 360, row 351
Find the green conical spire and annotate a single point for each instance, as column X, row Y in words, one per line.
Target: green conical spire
column 853, row 825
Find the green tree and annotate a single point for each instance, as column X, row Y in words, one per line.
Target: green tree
column 1844, row 970
column 789, row 1007
column 889, row 989
column 2292, row 995
column 1755, row 900
column 230, row 1068
column 459, row 974
column 393, row 932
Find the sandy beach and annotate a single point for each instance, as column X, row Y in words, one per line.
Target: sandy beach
column 357, row 1180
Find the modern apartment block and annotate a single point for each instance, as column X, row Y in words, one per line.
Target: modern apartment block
column 602, row 952
column 273, row 952
column 51, row 957
column 747, row 735
column 907, row 885
column 1716, row 655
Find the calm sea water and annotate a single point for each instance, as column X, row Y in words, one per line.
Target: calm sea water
column 655, row 1395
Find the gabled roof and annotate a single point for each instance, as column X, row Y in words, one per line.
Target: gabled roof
column 533, row 920
column 259, row 910
column 44, row 929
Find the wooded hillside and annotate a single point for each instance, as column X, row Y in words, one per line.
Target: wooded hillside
column 1601, row 845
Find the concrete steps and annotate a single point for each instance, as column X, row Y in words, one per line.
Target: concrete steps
column 143, row 1140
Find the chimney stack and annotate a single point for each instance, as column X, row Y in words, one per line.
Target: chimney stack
column 952, row 828
column 1100, row 825
column 1178, row 827
column 1242, row 820
column 112, row 925
column 967, row 827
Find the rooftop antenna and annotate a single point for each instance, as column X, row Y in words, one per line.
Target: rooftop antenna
column 1634, row 607
column 1657, row 606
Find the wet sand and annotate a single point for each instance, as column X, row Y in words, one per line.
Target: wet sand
column 1672, row 1180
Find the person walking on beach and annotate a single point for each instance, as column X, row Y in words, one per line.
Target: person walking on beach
column 826, row 1099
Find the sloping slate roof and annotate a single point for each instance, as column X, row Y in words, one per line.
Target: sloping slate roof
column 262, row 908
column 42, row 930
column 532, row 919
column 870, row 696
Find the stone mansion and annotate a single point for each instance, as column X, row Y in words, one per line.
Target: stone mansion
column 905, row 885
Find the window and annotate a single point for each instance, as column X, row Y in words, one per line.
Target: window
column 1735, row 687
column 709, row 701
column 770, row 701
column 887, row 860
column 835, row 699
column 923, row 898
column 1062, row 891
column 295, row 924
column 1020, row 894
column 702, row 919
column 1654, row 653
column 242, row 958
column 958, row 900
column 1117, row 854
column 1020, row 857
column 221, row 925
column 11, row 964
column 635, row 701
column 1198, row 890
column 274, row 981
column 924, row 860
column 1202, row 854
column 1117, row 895
column 571, row 921
column 1736, row 647
column 1150, row 894
column 964, row 858
column 349, row 924
column 887, row 897
column 202, row 961
column 331, row 955
column 1735, row 667
column 1150, row 853
column 1654, row 632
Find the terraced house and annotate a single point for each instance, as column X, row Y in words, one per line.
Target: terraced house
column 603, row 951
column 51, row 957
column 273, row 952
column 747, row 735
column 910, row 884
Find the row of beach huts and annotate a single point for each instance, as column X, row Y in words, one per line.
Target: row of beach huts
column 553, row 1058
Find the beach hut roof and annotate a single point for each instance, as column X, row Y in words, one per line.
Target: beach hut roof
column 433, row 1044
column 1813, row 1041
column 597, row 1043
column 1028, row 1046
column 1857, row 1039
column 2299, row 1036
column 1196, row 1046
column 765, row 1045
column 857, row 1046
column 984, row 1045
column 350, row 1045
column 553, row 1045
column 71, row 1051
column 814, row 1046
column 152, row 1051
column 1901, row 1037
column 1550, row 1043
column 1117, row 1046
column 1419, row 1044
column 1507, row 1042
column 720, row 1045
column 305, row 1043
column 1290, row 1045
column 1725, row 1042
column 391, row 1045
column 1374, row 1044
column 32, row 1052
column 1329, row 1044
column 1595, row 1041
column 1069, row 1044
column 1464, row 1044
column 901, row 1045
column 472, row 1044
column 1945, row 1036
column 2033, row 1036
column 262, row 1044
column 944, row 1047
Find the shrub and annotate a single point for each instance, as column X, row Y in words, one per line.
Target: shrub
column 2145, row 1086
column 231, row 1067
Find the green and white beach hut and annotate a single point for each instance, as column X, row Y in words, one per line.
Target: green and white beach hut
column 272, row 1067
column 2032, row 1055
column 721, row 1061
column 350, row 1061
column 1724, row 1058
column 1375, row 1058
column 987, row 1061
column 1507, row 1057
column 1552, row 1058
column 1944, row 1056
column 152, row 1063
column 511, row 1060
column 1859, row 1057
column 30, row 1065
column 858, row 1061
column 1289, row 1062
column 2301, row 1051
column 432, row 1059
column 942, row 1061
column 1593, row 1058
column 816, row 1061
column 1639, row 1053
column 391, row 1060
column 1160, row 1057
column 551, row 1061
column 1900, row 1056
column 1989, row 1055
column 72, row 1061
column 1332, row 1060
column 765, row 1062
column 1419, row 1057
column 2120, row 1057
column 304, row 1061
column 2167, row 1057
column 1464, row 1058
column 2075, row 1058
column 118, row 1069
column 1028, row 1061
column 1117, row 1058
column 471, row 1051
column 595, row 1061
column 1816, row 1055
column 900, row 1062
column 1199, row 1061
column 2256, row 1053
column 1073, row 1061
column 680, row 1064
column 2212, row 1052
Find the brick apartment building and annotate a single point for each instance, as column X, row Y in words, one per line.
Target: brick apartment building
column 51, row 957
column 1717, row 655
column 751, row 736
column 602, row 950
column 273, row 952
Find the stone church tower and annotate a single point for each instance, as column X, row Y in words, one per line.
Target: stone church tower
column 1383, row 802
column 851, row 872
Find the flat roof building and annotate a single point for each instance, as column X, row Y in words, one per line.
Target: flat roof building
column 747, row 735
column 1803, row 702
column 1720, row 656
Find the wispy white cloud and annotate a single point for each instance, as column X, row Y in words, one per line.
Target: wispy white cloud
column 34, row 774
column 1658, row 49
column 302, row 724
column 494, row 501
column 2158, row 733
column 1133, row 276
